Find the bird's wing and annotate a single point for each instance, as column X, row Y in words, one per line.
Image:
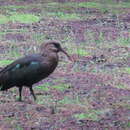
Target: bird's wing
column 20, row 63
column 24, row 71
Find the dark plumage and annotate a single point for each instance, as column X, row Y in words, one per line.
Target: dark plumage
column 31, row 69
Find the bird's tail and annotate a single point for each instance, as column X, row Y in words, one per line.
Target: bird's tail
column 1, row 87
column 1, row 84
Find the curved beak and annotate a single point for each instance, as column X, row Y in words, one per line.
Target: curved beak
column 66, row 54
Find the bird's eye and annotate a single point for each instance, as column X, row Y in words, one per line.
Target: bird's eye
column 57, row 45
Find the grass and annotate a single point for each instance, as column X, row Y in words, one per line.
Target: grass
column 128, row 124
column 30, row 18
column 47, row 86
column 38, row 37
column 122, row 86
column 70, row 100
column 45, row 99
column 82, row 50
column 123, row 41
column 43, row 88
column 127, row 70
column 3, row 19
column 5, row 62
column 65, row 16
column 79, row 51
column 89, row 5
column 61, row 87
column 13, row 31
column 17, row 17
column 100, row 5
column 94, row 115
column 87, row 116
column 14, row 7
column 24, row 18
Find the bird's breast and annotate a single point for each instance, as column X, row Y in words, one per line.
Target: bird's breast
column 49, row 65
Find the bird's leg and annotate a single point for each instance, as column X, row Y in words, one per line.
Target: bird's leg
column 31, row 90
column 20, row 93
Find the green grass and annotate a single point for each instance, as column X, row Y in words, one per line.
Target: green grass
column 18, row 127
column 30, row 18
column 70, row 100
column 123, row 41
column 127, row 70
column 82, row 52
column 24, row 18
column 61, row 87
column 89, row 116
column 93, row 115
column 17, row 17
column 128, row 124
column 100, row 5
column 38, row 37
column 3, row 19
column 79, row 51
column 65, row 16
column 45, row 99
column 5, row 62
column 43, row 88
column 14, row 7
column 122, row 86
column 89, row 5
column 21, row 30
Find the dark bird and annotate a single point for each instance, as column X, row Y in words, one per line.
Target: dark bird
column 31, row 69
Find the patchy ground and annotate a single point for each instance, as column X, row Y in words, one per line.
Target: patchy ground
column 91, row 93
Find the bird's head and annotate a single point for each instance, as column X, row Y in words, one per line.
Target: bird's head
column 55, row 47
